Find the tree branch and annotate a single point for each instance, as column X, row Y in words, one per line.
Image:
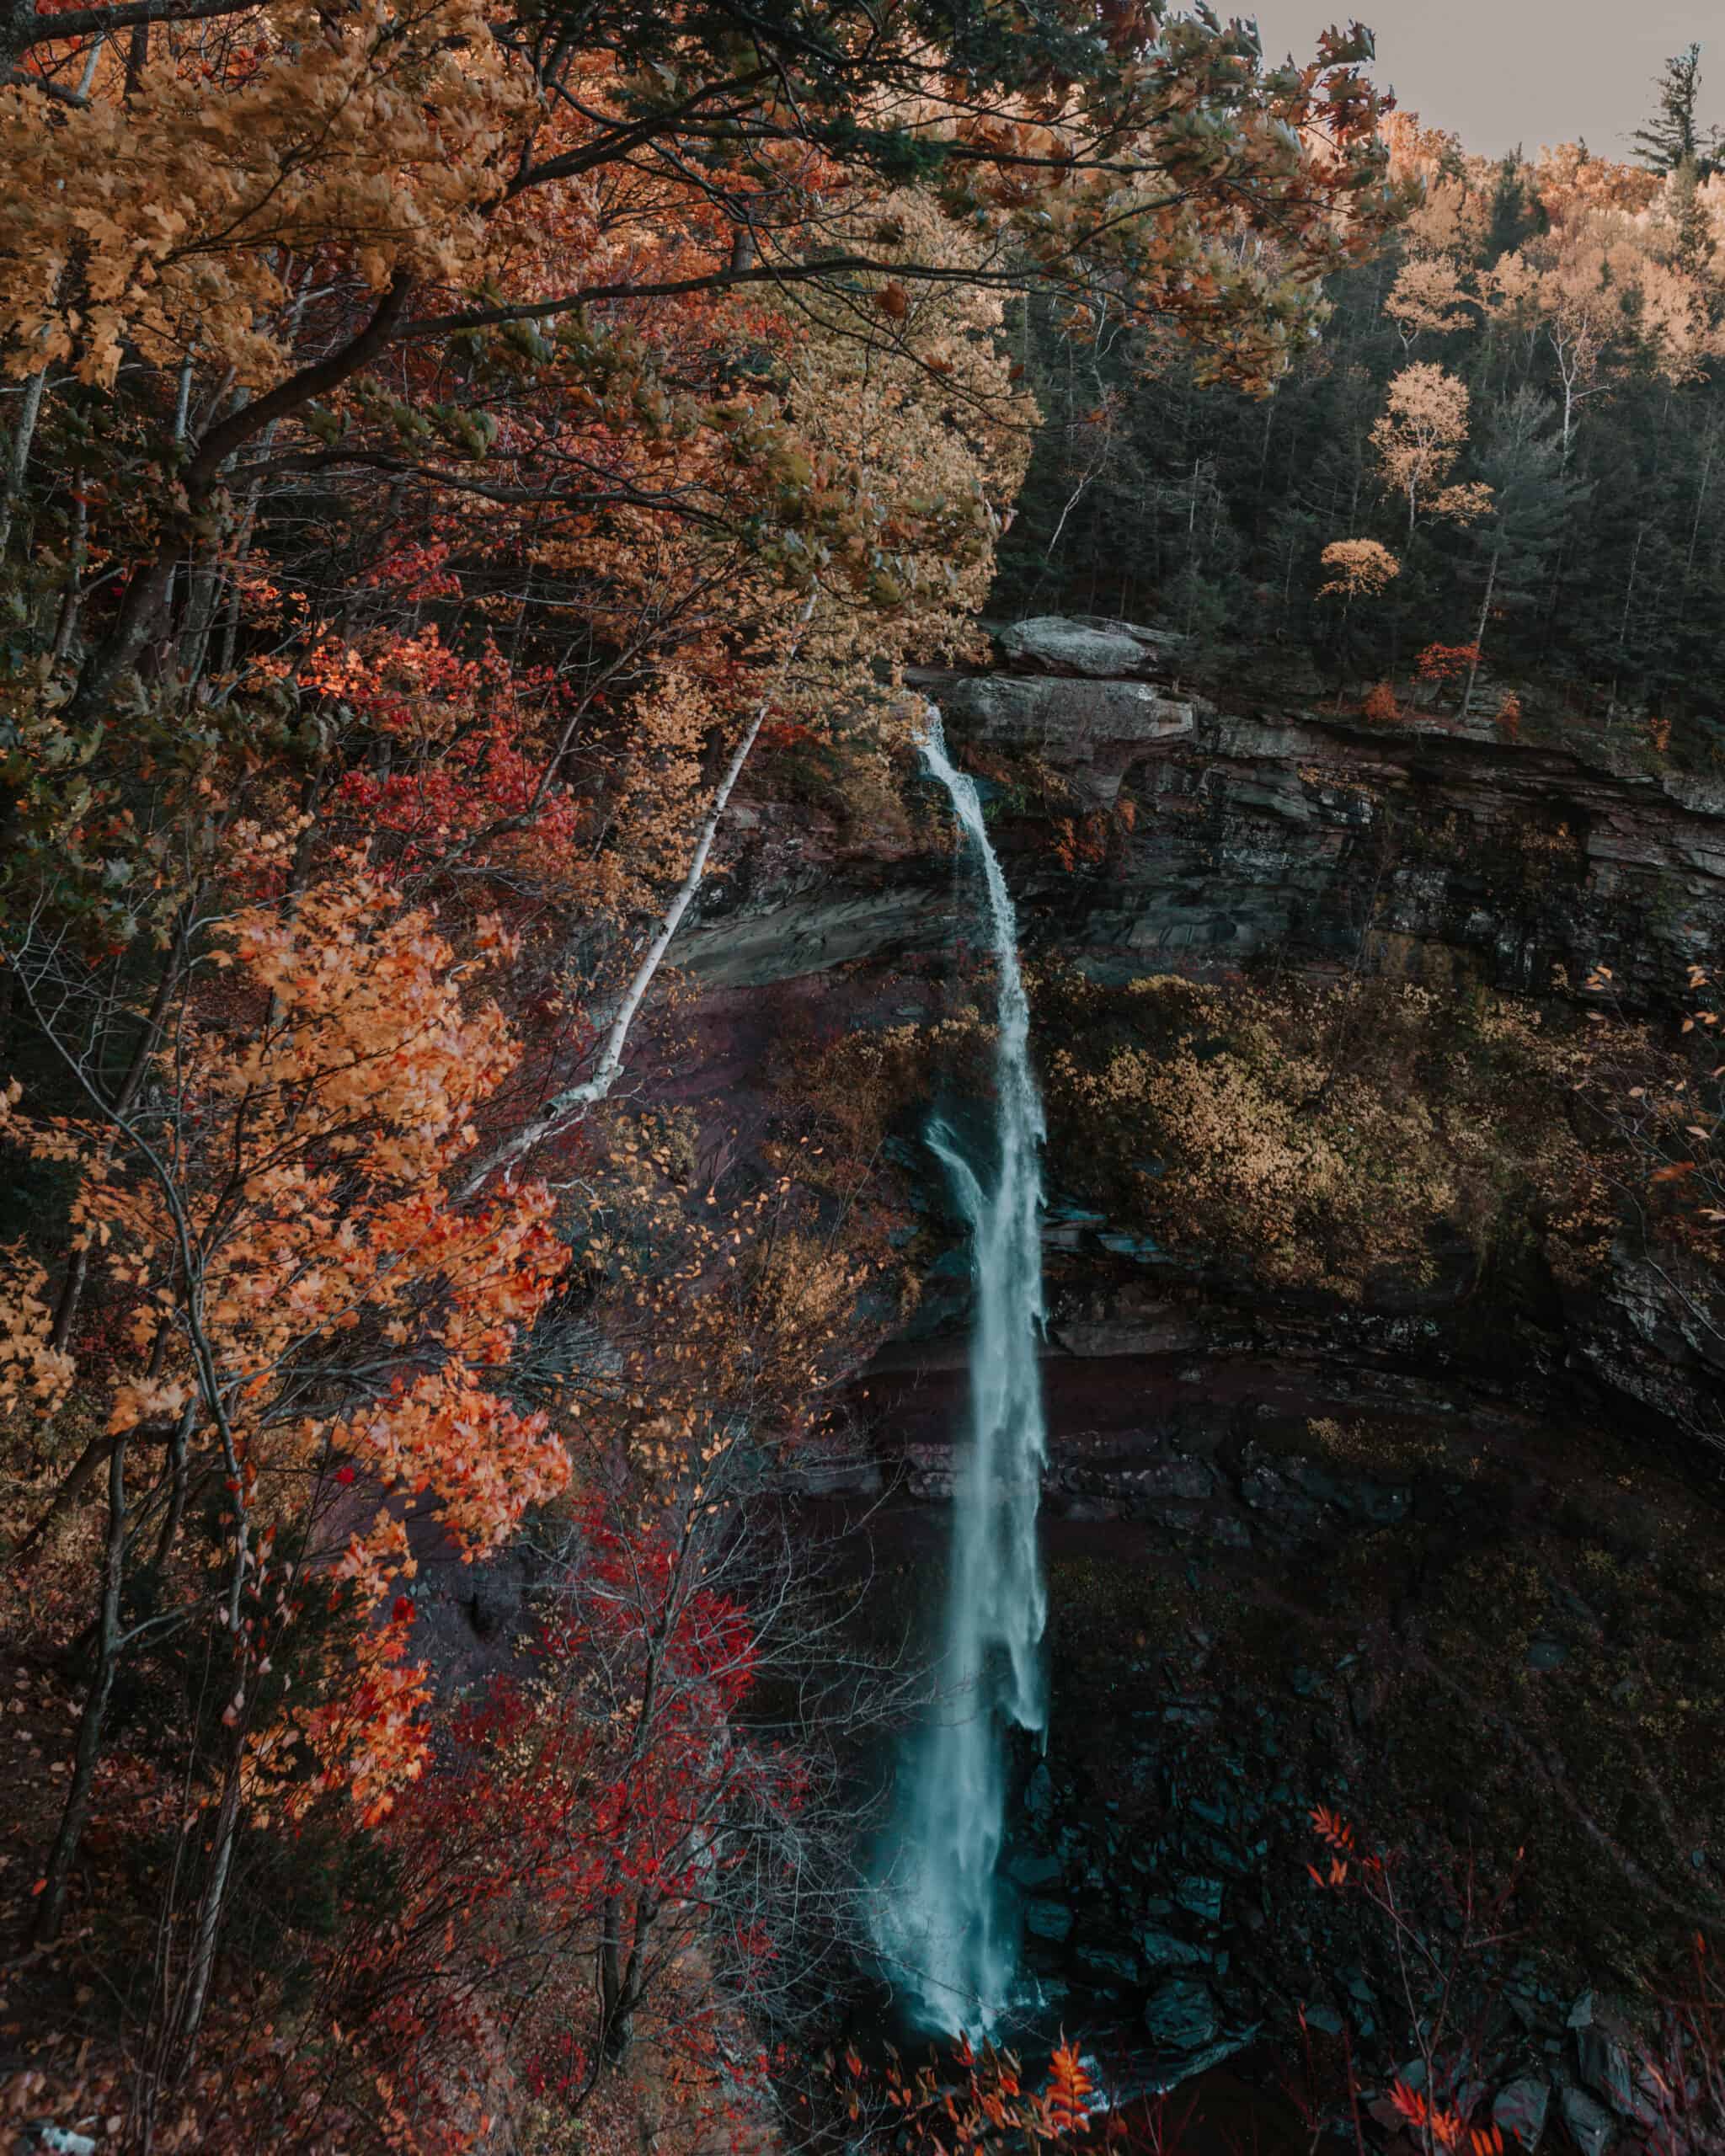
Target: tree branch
column 572, row 1103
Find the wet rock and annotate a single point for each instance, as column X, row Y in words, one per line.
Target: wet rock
column 1051, row 1920
column 1591, row 2126
column 1276, row 1497
column 1603, row 2064
column 1162, row 1949
column 1202, row 1897
column 1031, row 1872
column 1169, row 1478
column 1181, row 2016
column 1105, row 1962
column 782, row 937
column 1519, row 2109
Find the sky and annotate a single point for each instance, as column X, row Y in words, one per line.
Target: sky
column 1497, row 72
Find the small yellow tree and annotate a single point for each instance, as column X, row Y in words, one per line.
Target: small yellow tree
column 1417, row 440
column 1427, row 294
column 1359, row 569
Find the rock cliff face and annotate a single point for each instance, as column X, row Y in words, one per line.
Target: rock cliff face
column 1303, row 1551
column 1439, row 854
column 1432, row 851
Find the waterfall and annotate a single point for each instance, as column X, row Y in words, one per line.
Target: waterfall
column 941, row 1926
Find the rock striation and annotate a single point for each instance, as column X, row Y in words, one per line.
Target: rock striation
column 1434, row 853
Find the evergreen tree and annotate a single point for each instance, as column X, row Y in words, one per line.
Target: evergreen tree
column 1672, row 136
column 1533, row 499
column 1517, row 214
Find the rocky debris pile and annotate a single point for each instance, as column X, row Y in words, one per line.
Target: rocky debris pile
column 1160, row 1930
column 1136, row 1915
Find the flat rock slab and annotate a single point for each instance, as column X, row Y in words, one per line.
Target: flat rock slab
column 1087, row 644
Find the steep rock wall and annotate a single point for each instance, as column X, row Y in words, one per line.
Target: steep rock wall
column 1422, row 849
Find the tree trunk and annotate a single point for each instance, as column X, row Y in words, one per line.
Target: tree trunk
column 50, row 1906
column 1479, row 634
column 211, row 1907
column 570, row 1105
column 17, row 464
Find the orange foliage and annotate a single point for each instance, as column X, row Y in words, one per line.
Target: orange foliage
column 298, row 1211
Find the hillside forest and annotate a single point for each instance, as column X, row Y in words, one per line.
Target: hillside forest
column 457, row 459
column 1517, row 402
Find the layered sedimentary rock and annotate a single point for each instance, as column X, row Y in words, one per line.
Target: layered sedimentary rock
column 1438, row 853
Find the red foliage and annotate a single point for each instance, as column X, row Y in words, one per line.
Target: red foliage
column 1446, row 662
column 596, row 1799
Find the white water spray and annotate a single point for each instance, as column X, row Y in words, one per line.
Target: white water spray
column 941, row 1928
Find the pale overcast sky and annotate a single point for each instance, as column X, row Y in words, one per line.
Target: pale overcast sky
column 1502, row 71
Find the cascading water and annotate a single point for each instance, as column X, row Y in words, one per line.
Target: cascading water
column 941, row 1926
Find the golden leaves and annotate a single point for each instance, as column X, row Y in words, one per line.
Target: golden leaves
column 1358, row 569
column 31, row 1368
column 379, row 131
column 1418, row 439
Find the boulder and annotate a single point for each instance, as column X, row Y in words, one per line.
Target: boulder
column 1066, row 645
column 1162, row 1949
column 1051, row 1920
column 1180, row 2015
column 1033, row 1871
column 1202, row 1897
column 1092, row 730
column 1591, row 2126
column 1088, row 644
column 1519, row 2109
column 1603, row 2064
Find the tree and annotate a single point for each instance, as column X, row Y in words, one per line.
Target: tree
column 1359, row 569
column 1418, row 440
column 281, row 1212
column 1672, row 137
column 1532, row 500
column 1426, row 297
column 410, row 178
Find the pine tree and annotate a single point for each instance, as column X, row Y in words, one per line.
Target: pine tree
column 1532, row 497
column 1671, row 137
column 1518, row 215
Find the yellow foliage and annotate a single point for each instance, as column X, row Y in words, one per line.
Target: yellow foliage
column 1359, row 569
column 1321, row 1134
column 381, row 129
column 1418, row 439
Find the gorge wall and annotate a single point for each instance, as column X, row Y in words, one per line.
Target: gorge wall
column 1281, row 840
column 1420, row 1553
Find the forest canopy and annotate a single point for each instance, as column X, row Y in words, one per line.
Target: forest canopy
column 1517, row 398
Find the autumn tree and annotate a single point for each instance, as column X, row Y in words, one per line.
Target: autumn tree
column 1419, row 439
column 1427, row 297
column 280, row 1212
column 1358, row 569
